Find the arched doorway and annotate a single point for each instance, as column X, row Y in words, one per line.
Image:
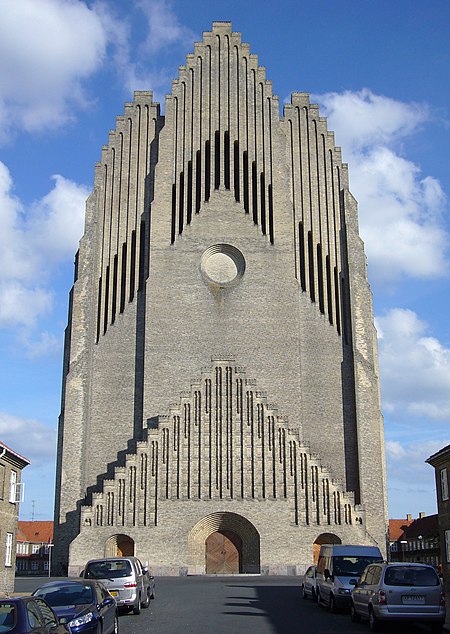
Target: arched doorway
column 223, row 553
column 324, row 538
column 119, row 546
column 224, row 543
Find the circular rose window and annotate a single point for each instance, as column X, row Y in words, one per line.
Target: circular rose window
column 223, row 265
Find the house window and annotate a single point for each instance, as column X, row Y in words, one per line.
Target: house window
column 34, row 565
column 2, row 481
column 447, row 545
column 444, row 484
column 12, row 487
column 35, row 549
column 9, row 544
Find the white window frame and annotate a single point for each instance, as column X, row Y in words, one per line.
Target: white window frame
column 13, row 487
column 447, row 544
column 444, row 484
column 35, row 548
column 8, row 551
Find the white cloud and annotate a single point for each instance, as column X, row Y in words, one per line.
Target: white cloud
column 164, row 28
column 29, row 437
column 401, row 212
column 411, row 480
column 47, row 49
column 415, row 368
column 32, row 242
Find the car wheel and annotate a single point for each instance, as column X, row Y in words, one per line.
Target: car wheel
column 319, row 598
column 146, row 603
column 153, row 595
column 355, row 617
column 313, row 594
column 373, row 621
column 137, row 607
column 304, row 595
column 116, row 625
column 332, row 604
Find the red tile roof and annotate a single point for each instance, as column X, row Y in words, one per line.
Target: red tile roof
column 35, row 532
column 397, row 529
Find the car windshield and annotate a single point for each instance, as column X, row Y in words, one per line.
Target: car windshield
column 8, row 617
column 108, row 569
column 63, row 595
column 346, row 566
column 410, row 576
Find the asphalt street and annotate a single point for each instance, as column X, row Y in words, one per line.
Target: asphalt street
column 234, row 604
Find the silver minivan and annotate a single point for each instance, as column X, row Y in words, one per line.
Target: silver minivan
column 338, row 570
column 126, row 579
column 399, row 592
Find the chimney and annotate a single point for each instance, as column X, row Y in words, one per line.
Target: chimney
column 421, row 515
column 409, row 517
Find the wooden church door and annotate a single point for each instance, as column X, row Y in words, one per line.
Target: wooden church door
column 223, row 553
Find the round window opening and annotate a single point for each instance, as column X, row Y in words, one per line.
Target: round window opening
column 223, row 265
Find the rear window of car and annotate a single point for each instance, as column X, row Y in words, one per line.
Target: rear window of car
column 63, row 595
column 108, row 569
column 410, row 576
column 8, row 617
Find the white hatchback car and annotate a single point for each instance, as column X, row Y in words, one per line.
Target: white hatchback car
column 309, row 585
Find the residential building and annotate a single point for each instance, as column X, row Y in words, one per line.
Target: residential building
column 34, row 548
column 441, row 463
column 220, row 408
column 415, row 539
column 11, row 465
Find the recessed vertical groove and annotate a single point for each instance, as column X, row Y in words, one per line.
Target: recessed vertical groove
column 237, row 192
column 297, row 266
column 114, row 291
column 142, row 249
column 254, row 193
column 181, row 203
column 217, row 159
column 99, row 309
column 207, row 170
column 189, row 194
column 132, row 266
column 311, row 267
column 246, row 175
column 106, row 303
column 302, row 260
column 123, row 279
column 226, row 149
column 320, row 279
column 263, row 202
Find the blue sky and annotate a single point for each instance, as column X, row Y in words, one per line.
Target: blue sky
column 378, row 69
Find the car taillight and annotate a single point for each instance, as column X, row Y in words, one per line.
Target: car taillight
column 381, row 597
column 130, row 585
column 442, row 601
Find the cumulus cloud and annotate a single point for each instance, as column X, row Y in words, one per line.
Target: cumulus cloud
column 47, row 50
column 29, row 437
column 415, row 367
column 401, row 211
column 32, row 242
column 411, row 480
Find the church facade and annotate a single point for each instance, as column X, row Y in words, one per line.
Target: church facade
column 220, row 407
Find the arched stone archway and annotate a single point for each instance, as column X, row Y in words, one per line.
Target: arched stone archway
column 119, row 546
column 228, row 532
column 324, row 538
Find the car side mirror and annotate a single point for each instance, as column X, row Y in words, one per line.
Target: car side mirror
column 145, row 569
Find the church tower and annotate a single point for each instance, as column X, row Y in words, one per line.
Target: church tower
column 220, row 408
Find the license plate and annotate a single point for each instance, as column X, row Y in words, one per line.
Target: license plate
column 113, row 593
column 413, row 599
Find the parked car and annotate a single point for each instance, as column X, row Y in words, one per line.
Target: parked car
column 399, row 592
column 309, row 585
column 85, row 605
column 126, row 578
column 338, row 569
column 25, row 615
